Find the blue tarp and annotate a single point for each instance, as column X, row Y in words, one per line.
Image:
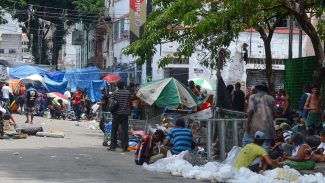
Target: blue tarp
column 27, row 70
column 54, row 86
column 81, row 77
column 24, row 71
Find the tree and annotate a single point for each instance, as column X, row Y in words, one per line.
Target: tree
column 304, row 11
column 192, row 24
column 60, row 14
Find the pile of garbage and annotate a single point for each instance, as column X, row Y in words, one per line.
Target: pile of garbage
column 221, row 172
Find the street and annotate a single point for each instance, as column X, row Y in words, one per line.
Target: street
column 79, row 157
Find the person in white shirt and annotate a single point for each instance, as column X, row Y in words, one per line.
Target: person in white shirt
column 67, row 94
column 5, row 90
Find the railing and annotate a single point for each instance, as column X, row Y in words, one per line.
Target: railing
column 226, row 131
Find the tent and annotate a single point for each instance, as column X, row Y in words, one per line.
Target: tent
column 25, row 71
column 81, row 77
column 34, row 79
column 55, row 86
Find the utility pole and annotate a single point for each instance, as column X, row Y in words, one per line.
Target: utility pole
column 300, row 41
column 290, row 37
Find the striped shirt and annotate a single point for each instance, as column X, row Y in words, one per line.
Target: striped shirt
column 181, row 138
column 123, row 98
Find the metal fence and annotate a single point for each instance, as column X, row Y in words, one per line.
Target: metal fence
column 224, row 132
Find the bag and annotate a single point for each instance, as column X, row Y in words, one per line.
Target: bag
column 113, row 107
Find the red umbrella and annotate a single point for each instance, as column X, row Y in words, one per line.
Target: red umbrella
column 112, row 78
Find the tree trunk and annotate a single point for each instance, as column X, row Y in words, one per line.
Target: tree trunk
column 310, row 30
column 268, row 66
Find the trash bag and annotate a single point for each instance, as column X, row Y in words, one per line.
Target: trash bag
column 232, row 155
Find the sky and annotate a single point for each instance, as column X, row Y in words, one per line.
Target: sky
column 11, row 27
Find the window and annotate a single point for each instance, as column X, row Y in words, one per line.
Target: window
column 179, row 61
column 24, row 42
column 12, row 51
column 122, row 27
column 24, row 50
column 2, row 51
column 116, row 30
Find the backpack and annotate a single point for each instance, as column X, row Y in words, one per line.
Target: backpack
column 113, row 107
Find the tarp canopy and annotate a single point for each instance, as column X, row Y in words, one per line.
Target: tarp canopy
column 24, row 71
column 81, row 77
column 27, row 70
column 93, row 88
column 54, row 86
column 34, row 79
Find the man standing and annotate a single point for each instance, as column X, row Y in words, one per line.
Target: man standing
column 261, row 110
column 238, row 98
column 120, row 117
column 6, row 93
column 67, row 94
column 31, row 96
column 314, row 105
column 77, row 103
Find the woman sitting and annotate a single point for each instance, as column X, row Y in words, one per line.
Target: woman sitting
column 300, row 159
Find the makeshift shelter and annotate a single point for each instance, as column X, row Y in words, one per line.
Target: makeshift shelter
column 34, row 79
column 25, row 71
column 54, row 86
column 81, row 77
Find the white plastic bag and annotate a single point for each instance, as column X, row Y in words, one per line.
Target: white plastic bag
column 232, row 155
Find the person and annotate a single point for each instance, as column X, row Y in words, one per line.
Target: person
column 57, row 109
column 193, row 88
column 7, row 114
column 300, row 158
column 68, row 95
column 319, row 153
column 198, row 87
column 286, row 107
column 287, row 146
column 255, row 150
column 77, row 103
column 300, row 126
column 303, row 113
column 120, row 116
column 31, row 96
column 5, row 90
column 145, row 148
column 250, row 92
column 180, row 138
column 21, row 97
column 312, row 139
column 230, row 89
column 238, row 98
column 276, row 147
column 314, row 105
column 104, row 106
column 261, row 110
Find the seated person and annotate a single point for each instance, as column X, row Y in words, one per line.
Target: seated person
column 300, row 158
column 7, row 115
column 300, row 126
column 145, row 149
column 312, row 139
column 180, row 138
column 287, row 146
column 319, row 153
column 276, row 146
column 252, row 151
column 57, row 109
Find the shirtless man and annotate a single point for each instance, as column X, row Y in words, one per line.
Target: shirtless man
column 314, row 105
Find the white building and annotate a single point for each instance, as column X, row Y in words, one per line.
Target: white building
column 79, row 48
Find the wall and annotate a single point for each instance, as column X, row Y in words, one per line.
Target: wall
column 8, row 43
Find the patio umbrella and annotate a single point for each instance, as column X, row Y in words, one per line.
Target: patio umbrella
column 58, row 96
column 204, row 84
column 112, row 78
column 167, row 92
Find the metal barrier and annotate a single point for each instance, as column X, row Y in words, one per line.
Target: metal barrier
column 237, row 131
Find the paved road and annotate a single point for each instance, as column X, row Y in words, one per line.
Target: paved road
column 79, row 157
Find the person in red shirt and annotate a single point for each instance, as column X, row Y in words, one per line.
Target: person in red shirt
column 193, row 88
column 77, row 103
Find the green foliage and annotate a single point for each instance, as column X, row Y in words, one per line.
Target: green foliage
column 192, row 24
column 94, row 6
